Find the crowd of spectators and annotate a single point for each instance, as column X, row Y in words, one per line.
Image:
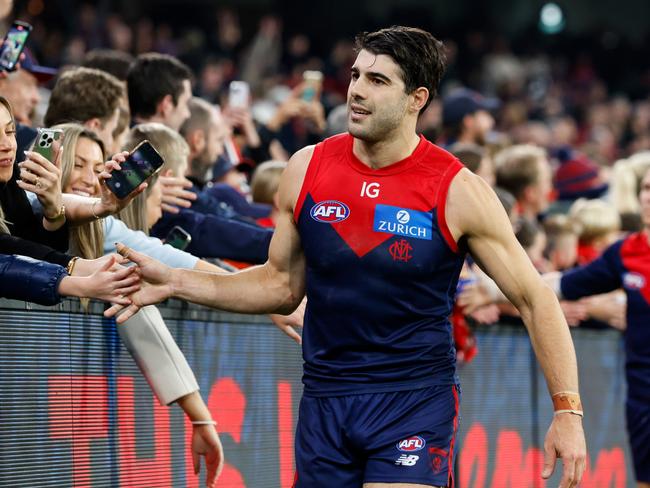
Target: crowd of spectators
column 547, row 134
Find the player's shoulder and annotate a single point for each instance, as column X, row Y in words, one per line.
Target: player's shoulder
column 472, row 206
column 631, row 245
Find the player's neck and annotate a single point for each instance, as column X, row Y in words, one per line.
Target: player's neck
column 383, row 153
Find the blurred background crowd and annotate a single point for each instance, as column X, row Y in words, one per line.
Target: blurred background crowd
column 548, row 102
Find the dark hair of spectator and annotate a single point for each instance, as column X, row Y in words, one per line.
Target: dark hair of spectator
column 470, row 155
column 420, row 56
column 82, row 94
column 152, row 77
column 116, row 63
column 526, row 232
column 631, row 222
column 506, row 198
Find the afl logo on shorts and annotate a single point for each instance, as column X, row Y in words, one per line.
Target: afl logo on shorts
column 330, row 211
column 411, row 444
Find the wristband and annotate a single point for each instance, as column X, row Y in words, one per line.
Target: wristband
column 567, row 402
column 204, row 422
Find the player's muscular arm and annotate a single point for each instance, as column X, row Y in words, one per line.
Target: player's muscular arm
column 473, row 211
column 278, row 286
column 275, row 287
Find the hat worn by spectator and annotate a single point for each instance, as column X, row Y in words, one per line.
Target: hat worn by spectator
column 462, row 101
column 577, row 176
column 42, row 73
column 224, row 193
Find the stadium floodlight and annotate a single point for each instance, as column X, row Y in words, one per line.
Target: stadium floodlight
column 551, row 18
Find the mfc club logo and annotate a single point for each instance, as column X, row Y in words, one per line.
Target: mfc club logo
column 330, row 211
column 411, row 444
column 401, row 250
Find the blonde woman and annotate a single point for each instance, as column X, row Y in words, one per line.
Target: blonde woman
column 145, row 335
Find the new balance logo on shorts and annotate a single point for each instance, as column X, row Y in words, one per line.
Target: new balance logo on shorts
column 407, row 460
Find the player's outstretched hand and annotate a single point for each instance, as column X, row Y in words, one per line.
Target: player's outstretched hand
column 565, row 439
column 289, row 323
column 155, row 284
column 206, row 443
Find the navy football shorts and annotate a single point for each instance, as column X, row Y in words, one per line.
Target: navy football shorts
column 396, row 437
column 638, row 428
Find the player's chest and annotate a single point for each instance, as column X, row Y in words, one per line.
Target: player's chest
column 389, row 222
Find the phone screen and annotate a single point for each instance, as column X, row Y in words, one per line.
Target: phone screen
column 13, row 45
column 239, row 94
column 178, row 238
column 143, row 162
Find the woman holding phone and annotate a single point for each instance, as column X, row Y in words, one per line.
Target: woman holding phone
column 145, row 335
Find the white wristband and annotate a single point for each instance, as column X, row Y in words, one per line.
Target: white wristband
column 204, row 422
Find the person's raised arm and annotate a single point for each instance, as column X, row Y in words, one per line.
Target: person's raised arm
column 80, row 209
column 474, row 212
column 278, row 286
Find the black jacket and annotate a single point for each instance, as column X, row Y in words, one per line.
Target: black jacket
column 21, row 219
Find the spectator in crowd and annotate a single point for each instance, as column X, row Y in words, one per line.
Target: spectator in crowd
column 524, row 171
column 532, row 238
column 476, row 158
column 264, row 188
column 116, row 63
column 90, row 97
column 212, row 235
column 207, row 133
column 624, row 189
column 561, row 241
column 159, row 88
column 41, row 178
column 599, row 227
column 164, row 367
column 467, row 117
column 20, row 87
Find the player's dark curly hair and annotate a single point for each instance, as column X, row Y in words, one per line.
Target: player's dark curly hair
column 420, row 56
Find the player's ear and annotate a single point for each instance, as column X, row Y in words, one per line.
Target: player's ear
column 419, row 99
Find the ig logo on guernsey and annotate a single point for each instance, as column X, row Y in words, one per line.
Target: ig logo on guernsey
column 412, row 444
column 330, row 211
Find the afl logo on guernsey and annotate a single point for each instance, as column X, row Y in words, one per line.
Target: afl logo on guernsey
column 330, row 211
column 411, row 444
column 633, row 281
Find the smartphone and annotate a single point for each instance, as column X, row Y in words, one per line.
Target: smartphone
column 48, row 143
column 178, row 238
column 313, row 82
column 239, row 94
column 13, row 45
column 143, row 162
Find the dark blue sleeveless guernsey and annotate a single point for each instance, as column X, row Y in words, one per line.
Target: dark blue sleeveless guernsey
column 381, row 271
